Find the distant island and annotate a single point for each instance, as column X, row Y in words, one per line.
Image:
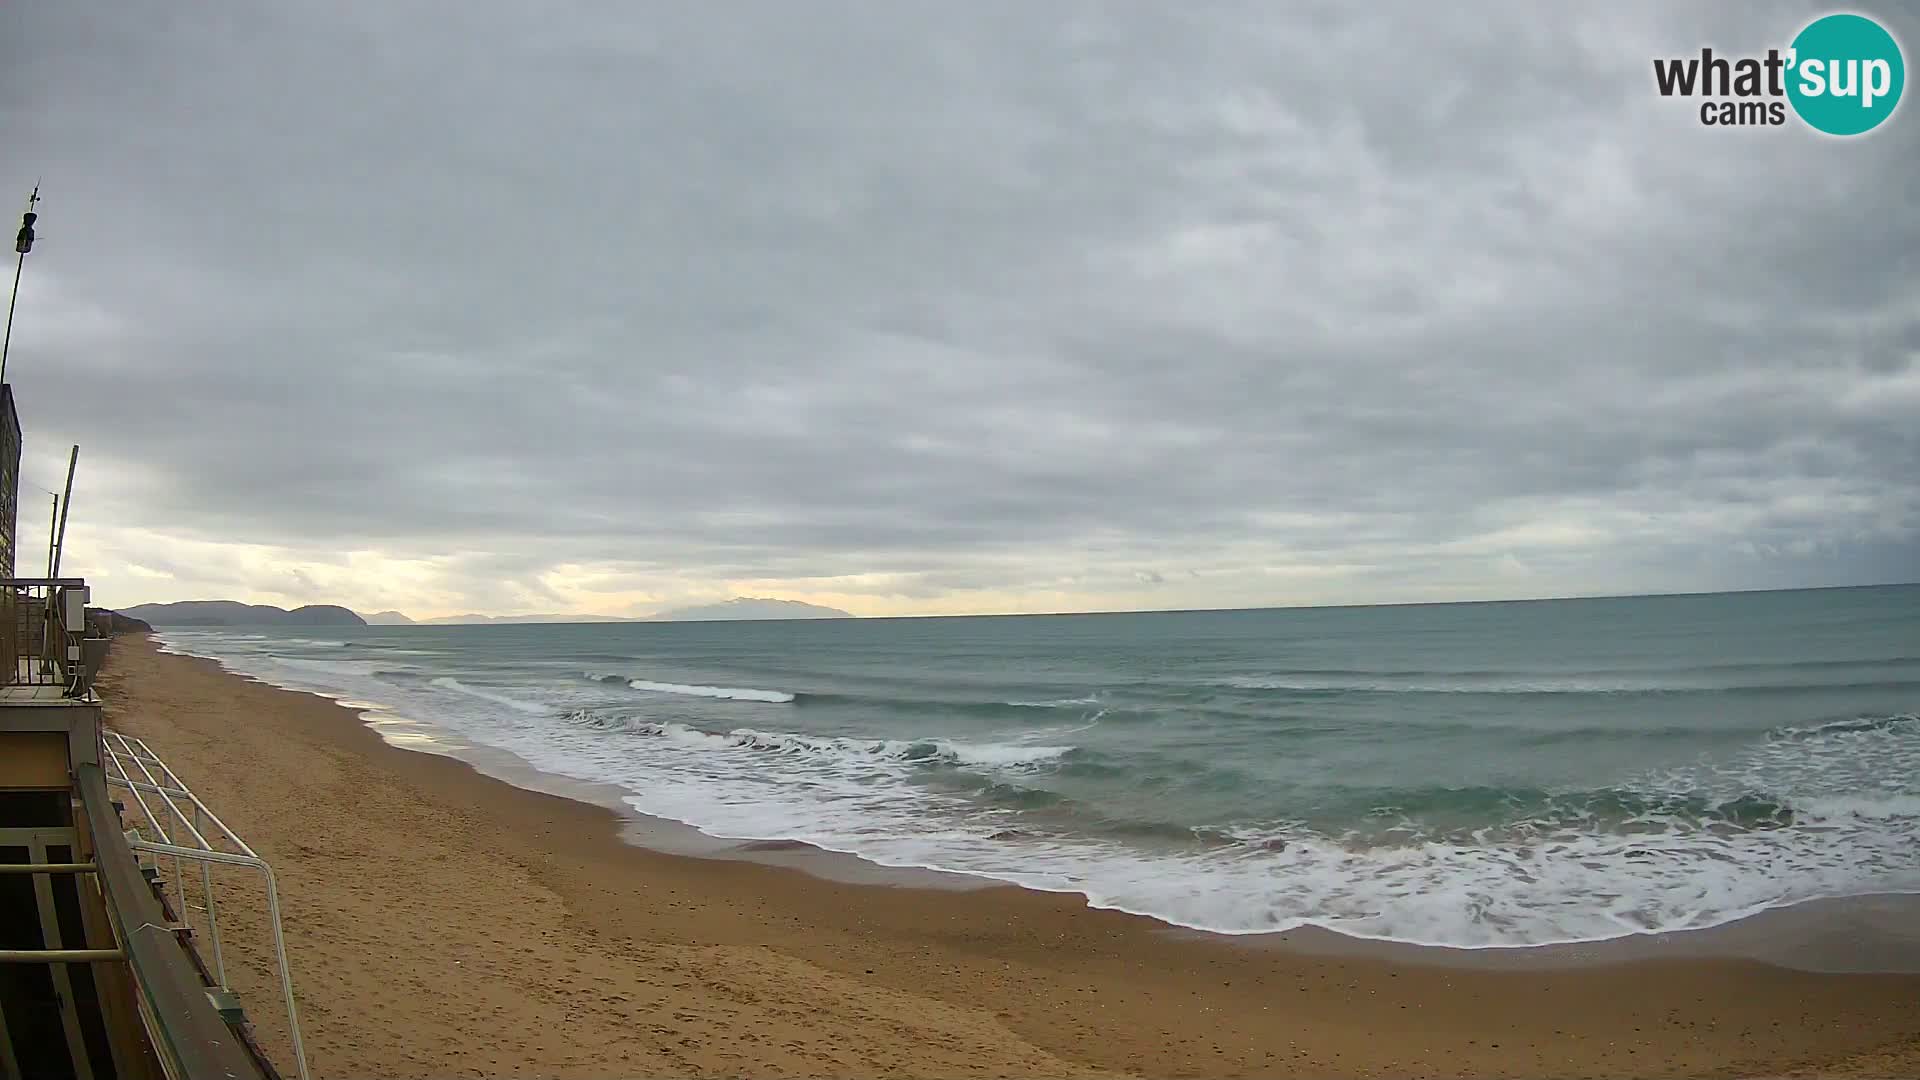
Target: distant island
column 750, row 607
column 387, row 618
column 234, row 613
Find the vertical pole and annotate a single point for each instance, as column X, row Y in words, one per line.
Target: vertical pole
column 59, row 542
column 46, row 615
column 66, row 504
column 7, row 344
column 206, row 893
column 286, row 976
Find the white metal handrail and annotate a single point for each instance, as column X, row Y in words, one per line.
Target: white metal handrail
column 122, row 750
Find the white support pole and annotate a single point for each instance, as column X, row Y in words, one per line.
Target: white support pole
column 213, row 920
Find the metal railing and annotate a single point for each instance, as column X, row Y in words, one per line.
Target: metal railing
column 181, row 1022
column 43, row 630
column 194, row 833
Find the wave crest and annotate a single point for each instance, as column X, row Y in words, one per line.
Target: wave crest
column 909, row 751
column 1466, row 684
column 1855, row 725
column 529, row 707
column 725, row 693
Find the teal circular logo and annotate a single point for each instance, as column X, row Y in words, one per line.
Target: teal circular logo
column 1846, row 74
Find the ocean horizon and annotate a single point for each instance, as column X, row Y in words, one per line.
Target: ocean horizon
column 1474, row 774
column 593, row 619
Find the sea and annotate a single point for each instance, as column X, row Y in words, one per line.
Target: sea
column 1476, row 775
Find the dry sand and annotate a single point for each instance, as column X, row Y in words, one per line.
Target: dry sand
column 444, row 923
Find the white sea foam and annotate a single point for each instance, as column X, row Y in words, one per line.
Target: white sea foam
column 725, row 693
column 1558, row 887
column 1037, row 734
column 328, row 667
column 1510, row 892
column 730, row 693
column 850, row 750
column 178, row 645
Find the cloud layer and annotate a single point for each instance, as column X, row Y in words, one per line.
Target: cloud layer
column 950, row 308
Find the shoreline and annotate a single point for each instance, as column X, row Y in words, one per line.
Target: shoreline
column 1884, row 927
column 1017, row 981
column 1879, row 933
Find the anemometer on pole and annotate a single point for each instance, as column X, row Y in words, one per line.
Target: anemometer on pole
column 22, row 244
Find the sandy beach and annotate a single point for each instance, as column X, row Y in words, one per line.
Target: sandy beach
column 445, row 923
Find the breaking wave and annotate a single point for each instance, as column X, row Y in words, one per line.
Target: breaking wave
column 726, row 693
column 529, row 707
column 913, row 751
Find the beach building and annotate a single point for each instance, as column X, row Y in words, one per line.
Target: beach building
column 102, row 973
column 9, row 477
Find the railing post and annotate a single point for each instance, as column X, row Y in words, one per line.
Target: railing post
column 286, row 976
column 213, row 920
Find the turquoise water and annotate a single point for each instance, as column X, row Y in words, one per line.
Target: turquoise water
column 1475, row 775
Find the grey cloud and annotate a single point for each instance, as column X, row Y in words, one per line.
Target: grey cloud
column 965, row 299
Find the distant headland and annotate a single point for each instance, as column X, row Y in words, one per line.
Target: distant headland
column 234, row 613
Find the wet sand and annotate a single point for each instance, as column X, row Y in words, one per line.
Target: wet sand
column 446, row 923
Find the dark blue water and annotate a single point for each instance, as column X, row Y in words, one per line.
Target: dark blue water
column 1484, row 774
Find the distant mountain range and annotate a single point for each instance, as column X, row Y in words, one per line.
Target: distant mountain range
column 234, row 613
column 462, row 620
column 749, row 607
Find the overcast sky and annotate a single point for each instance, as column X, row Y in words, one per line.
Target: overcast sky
column 948, row 307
